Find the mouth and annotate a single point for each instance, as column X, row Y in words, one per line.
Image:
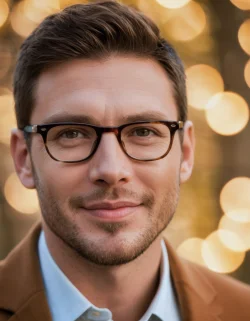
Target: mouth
column 112, row 211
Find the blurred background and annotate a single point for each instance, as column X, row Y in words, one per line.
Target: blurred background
column 212, row 223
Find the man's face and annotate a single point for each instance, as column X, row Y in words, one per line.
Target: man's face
column 146, row 193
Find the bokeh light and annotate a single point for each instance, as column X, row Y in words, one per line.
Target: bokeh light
column 66, row 3
column 247, row 73
column 20, row 22
column 244, row 36
column 217, row 256
column 240, row 243
column 37, row 10
column 239, row 215
column 19, row 197
column 173, row 4
column 7, row 119
column 241, row 4
column 154, row 10
column 187, row 23
column 231, row 240
column 4, row 12
column 190, row 249
column 203, row 82
column 227, row 113
column 235, row 200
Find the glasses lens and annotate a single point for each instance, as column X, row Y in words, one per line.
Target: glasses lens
column 71, row 142
column 146, row 141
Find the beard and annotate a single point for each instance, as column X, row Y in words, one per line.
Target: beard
column 116, row 247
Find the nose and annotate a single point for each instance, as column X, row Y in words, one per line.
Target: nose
column 110, row 166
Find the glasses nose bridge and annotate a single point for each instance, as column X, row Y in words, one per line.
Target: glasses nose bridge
column 114, row 130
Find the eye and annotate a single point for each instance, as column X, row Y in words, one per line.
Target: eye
column 143, row 132
column 70, row 134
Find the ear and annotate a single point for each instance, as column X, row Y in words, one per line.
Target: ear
column 21, row 158
column 188, row 147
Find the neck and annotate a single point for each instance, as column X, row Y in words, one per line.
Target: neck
column 126, row 290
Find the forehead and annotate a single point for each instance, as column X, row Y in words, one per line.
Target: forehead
column 106, row 90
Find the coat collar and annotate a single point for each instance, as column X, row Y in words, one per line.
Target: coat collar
column 22, row 291
column 197, row 298
column 21, row 284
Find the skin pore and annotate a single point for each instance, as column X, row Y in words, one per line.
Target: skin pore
column 114, row 263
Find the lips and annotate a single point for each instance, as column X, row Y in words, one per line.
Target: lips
column 112, row 210
column 111, row 206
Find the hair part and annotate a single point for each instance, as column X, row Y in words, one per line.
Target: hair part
column 92, row 31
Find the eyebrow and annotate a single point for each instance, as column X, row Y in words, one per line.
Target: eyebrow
column 145, row 116
column 66, row 117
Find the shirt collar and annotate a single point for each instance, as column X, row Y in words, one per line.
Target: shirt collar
column 164, row 304
column 67, row 303
column 64, row 299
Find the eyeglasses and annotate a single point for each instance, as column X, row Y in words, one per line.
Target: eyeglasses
column 77, row 142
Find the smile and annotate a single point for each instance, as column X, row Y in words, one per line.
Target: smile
column 112, row 211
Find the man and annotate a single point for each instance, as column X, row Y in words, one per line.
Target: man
column 103, row 137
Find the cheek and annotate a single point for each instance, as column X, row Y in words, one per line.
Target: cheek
column 58, row 178
column 160, row 176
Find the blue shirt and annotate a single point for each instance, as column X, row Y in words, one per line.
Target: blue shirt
column 67, row 303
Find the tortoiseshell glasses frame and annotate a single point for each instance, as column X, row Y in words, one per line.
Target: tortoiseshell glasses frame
column 43, row 130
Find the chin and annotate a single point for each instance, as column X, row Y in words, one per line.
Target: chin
column 114, row 247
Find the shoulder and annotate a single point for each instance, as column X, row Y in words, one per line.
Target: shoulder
column 205, row 292
column 232, row 294
column 219, row 281
column 21, row 266
column 200, row 277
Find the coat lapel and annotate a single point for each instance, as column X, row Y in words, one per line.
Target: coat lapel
column 36, row 309
column 196, row 296
column 21, row 285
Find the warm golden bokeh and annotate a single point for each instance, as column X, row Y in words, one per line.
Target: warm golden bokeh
column 235, row 200
column 239, row 215
column 37, row 10
column 242, row 4
column 240, row 243
column 173, row 4
column 244, row 36
column 19, row 197
column 227, row 113
column 203, row 82
column 190, row 249
column 231, row 240
column 154, row 10
column 7, row 119
column 247, row 73
column 20, row 22
column 4, row 12
column 186, row 23
column 66, row 3
column 217, row 256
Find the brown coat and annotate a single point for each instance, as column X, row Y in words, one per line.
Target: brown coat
column 202, row 295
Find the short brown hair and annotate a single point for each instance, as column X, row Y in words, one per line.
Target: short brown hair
column 94, row 30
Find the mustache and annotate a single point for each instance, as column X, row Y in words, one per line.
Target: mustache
column 100, row 195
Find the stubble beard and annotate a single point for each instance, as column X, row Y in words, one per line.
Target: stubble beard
column 126, row 250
